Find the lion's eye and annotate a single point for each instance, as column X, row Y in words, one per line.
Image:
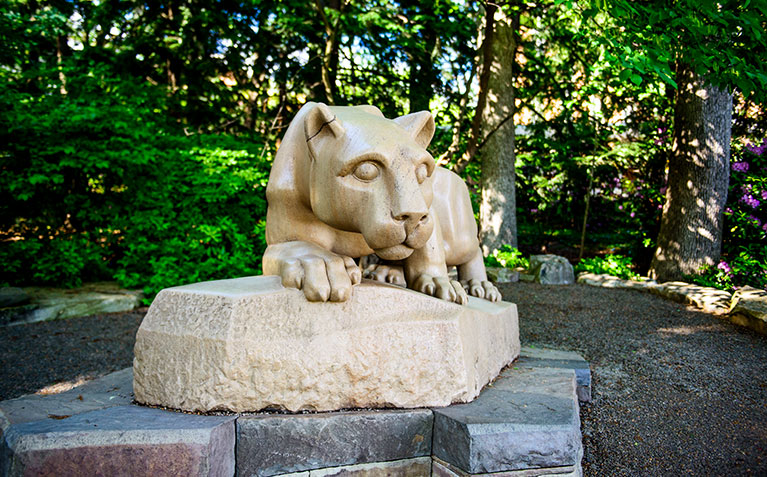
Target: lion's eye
column 367, row 171
column 421, row 173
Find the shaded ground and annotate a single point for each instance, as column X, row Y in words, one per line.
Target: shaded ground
column 676, row 392
column 65, row 352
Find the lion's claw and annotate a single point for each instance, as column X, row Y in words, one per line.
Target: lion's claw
column 321, row 274
column 441, row 287
column 481, row 289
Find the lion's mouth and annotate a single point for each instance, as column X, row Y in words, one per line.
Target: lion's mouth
column 395, row 252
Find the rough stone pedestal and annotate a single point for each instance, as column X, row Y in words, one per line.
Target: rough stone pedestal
column 523, row 425
column 249, row 344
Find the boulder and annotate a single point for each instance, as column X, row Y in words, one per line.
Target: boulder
column 552, row 270
column 12, row 296
column 249, row 344
column 502, row 275
column 749, row 308
column 707, row 299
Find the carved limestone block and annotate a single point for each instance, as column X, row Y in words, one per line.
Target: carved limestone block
column 248, row 344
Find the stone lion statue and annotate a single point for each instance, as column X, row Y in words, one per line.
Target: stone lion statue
column 348, row 183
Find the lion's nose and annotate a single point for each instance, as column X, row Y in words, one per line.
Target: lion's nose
column 411, row 219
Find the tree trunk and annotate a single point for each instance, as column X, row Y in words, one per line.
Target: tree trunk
column 486, row 56
column 498, row 210
column 698, row 176
column 330, row 52
column 423, row 74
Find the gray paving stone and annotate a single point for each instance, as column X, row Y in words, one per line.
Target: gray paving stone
column 443, row 469
column 274, row 444
column 546, row 358
column 121, row 440
column 115, row 389
column 528, row 419
column 417, row 467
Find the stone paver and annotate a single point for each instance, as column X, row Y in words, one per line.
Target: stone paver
column 547, row 358
column 115, row 389
column 121, row 440
column 443, row 469
column 278, row 444
column 528, row 419
column 418, row 467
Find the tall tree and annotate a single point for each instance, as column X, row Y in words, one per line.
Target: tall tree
column 498, row 209
column 698, row 175
column 717, row 46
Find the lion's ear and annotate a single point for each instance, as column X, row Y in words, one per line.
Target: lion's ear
column 319, row 124
column 370, row 109
column 420, row 125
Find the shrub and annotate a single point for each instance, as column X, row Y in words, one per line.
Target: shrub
column 507, row 257
column 100, row 183
column 612, row 264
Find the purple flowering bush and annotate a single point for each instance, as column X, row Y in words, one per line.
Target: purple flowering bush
column 744, row 244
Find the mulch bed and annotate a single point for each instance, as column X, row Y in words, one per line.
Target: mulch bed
column 676, row 391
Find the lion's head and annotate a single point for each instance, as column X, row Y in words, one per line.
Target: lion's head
column 372, row 175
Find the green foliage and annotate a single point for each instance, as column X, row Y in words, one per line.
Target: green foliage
column 591, row 136
column 745, row 268
column 612, row 264
column 55, row 261
column 98, row 182
column 723, row 41
column 507, row 257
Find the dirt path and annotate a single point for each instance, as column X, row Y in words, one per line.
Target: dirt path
column 676, row 392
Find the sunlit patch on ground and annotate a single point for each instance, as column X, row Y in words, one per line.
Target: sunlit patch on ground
column 63, row 386
column 689, row 330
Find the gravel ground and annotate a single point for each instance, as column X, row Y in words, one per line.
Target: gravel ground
column 58, row 353
column 676, row 391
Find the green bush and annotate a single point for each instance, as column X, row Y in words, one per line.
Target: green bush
column 100, row 183
column 507, row 257
column 612, row 264
column 55, row 261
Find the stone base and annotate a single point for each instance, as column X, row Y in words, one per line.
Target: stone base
column 525, row 424
column 250, row 344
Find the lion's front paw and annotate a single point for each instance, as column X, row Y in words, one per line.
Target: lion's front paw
column 322, row 278
column 385, row 273
column 320, row 273
column 440, row 287
column 481, row 289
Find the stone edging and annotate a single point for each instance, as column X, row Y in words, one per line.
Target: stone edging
column 746, row 307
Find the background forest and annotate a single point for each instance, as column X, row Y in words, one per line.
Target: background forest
column 136, row 137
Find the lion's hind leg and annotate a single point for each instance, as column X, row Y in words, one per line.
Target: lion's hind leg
column 473, row 277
